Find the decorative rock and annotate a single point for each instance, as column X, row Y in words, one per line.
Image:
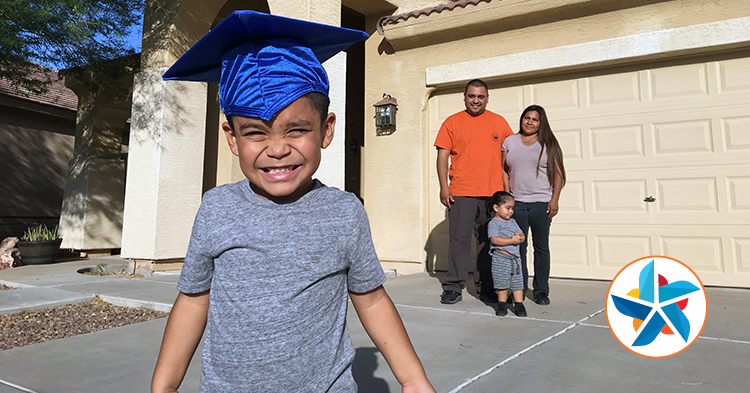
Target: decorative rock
column 145, row 270
column 9, row 254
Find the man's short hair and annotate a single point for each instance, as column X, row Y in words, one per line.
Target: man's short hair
column 477, row 83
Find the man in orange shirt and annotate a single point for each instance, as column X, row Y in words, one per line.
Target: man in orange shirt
column 470, row 140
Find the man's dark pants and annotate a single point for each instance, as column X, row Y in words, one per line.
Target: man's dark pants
column 534, row 215
column 468, row 215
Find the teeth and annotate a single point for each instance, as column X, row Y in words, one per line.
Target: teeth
column 278, row 170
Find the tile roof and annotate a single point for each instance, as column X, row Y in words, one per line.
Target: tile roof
column 57, row 95
column 393, row 19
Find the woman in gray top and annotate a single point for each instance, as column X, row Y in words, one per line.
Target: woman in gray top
column 533, row 161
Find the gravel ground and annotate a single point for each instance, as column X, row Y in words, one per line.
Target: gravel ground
column 5, row 287
column 31, row 327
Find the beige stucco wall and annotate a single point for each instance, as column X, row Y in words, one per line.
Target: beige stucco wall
column 396, row 167
column 37, row 144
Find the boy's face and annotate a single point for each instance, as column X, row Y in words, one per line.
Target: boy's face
column 504, row 211
column 280, row 156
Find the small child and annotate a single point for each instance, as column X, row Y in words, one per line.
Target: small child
column 505, row 236
column 273, row 257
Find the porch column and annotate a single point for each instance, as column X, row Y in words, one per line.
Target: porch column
column 91, row 214
column 165, row 169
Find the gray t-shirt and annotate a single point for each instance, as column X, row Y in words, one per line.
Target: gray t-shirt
column 526, row 184
column 279, row 275
column 506, row 229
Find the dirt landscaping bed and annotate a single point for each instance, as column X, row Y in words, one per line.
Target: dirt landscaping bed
column 31, row 327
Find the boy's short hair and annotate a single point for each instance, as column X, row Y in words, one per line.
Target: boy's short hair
column 501, row 197
column 318, row 101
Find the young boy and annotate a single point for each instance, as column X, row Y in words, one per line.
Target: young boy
column 272, row 258
column 505, row 236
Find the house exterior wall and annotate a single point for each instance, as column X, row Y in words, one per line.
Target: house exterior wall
column 424, row 62
column 397, row 167
column 37, row 144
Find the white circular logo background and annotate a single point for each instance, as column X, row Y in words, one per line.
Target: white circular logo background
column 656, row 306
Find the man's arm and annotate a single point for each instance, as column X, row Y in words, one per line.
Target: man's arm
column 446, row 197
column 384, row 326
column 181, row 337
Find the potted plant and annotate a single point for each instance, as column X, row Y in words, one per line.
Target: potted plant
column 39, row 245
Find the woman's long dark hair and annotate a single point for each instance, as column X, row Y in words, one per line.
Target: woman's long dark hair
column 548, row 141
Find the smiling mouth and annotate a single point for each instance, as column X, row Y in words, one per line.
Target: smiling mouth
column 280, row 170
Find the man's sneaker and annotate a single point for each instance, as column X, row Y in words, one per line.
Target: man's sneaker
column 520, row 310
column 541, row 299
column 502, row 310
column 450, row 297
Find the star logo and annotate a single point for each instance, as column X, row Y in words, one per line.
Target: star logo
column 664, row 314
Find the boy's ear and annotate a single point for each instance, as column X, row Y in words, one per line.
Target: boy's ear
column 328, row 128
column 231, row 138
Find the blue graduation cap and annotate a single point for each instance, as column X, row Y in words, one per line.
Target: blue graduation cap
column 263, row 62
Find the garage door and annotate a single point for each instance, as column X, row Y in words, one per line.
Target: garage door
column 675, row 135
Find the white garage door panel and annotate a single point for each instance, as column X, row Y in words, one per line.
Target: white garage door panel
column 714, row 135
column 714, row 252
column 736, row 131
column 683, row 196
column 680, row 134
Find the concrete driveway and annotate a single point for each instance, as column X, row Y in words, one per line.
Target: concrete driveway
column 563, row 347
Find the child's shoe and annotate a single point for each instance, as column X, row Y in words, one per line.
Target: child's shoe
column 502, row 310
column 520, row 310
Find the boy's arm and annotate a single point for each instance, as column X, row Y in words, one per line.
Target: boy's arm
column 517, row 238
column 384, row 326
column 185, row 326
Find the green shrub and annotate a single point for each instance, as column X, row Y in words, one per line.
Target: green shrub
column 40, row 234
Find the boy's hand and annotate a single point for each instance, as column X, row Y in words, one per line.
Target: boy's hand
column 518, row 238
column 424, row 387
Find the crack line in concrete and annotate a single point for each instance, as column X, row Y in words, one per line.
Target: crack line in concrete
column 13, row 385
column 506, row 361
column 480, row 313
column 725, row 339
column 596, row 326
column 729, row 340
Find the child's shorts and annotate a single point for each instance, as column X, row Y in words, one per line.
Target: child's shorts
column 506, row 272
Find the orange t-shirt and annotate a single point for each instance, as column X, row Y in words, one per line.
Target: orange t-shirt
column 474, row 143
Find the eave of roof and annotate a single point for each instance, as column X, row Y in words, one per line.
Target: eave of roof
column 393, row 19
column 57, row 94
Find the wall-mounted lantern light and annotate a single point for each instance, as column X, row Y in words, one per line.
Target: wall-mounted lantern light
column 385, row 113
